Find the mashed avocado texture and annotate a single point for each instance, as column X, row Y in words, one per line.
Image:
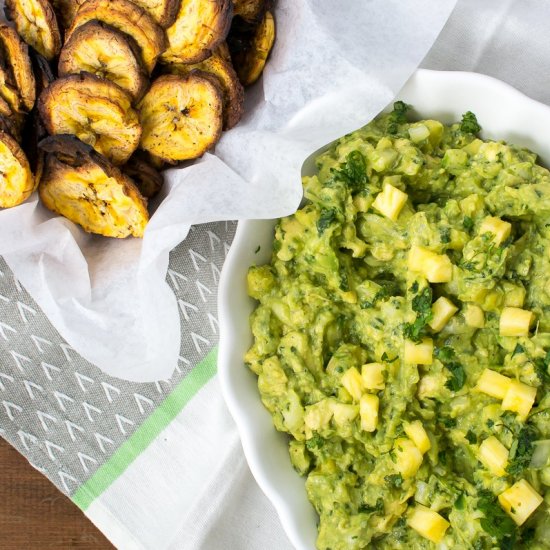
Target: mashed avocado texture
column 402, row 339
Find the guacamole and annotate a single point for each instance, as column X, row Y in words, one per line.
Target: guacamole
column 402, row 339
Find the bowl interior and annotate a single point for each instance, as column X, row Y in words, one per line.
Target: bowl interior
column 505, row 114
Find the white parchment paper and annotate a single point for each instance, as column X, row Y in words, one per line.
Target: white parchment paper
column 335, row 65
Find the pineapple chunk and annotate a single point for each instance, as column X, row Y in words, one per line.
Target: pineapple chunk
column 416, row 432
column 442, row 310
column 437, row 268
column 344, row 413
column 499, row 228
column 515, row 321
column 390, row 201
column 520, row 501
column 408, row 457
column 494, row 456
column 427, row 523
column 368, row 411
column 318, row 415
column 419, row 354
column 418, row 132
column 474, row 316
column 514, row 295
column 493, row 383
column 519, row 398
column 352, row 381
column 373, row 376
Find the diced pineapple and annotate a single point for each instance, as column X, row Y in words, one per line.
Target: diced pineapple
column 493, row 383
column 418, row 132
column 428, row 523
column 419, row 354
column 368, row 411
column 442, row 310
column 408, row 457
column 373, row 376
column 318, row 415
column 519, row 398
column 520, row 501
column 437, row 268
column 416, row 432
column 515, row 321
column 514, row 295
column 494, row 456
column 352, row 381
column 499, row 228
column 474, row 316
column 390, row 201
column 344, row 413
column 471, row 204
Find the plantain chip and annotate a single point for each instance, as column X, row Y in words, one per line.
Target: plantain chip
column 127, row 18
column 249, row 52
column 181, row 117
column 148, row 179
column 8, row 89
column 252, row 11
column 95, row 110
column 66, row 11
column 43, row 74
column 16, row 180
column 223, row 51
column 233, row 93
column 201, row 25
column 16, row 52
column 87, row 189
column 102, row 50
column 164, row 12
column 36, row 23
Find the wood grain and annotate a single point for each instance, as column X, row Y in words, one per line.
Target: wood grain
column 35, row 514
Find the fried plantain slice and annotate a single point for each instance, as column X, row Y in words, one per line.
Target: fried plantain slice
column 16, row 180
column 181, row 117
column 127, row 18
column 102, row 50
column 36, row 23
column 148, row 179
column 95, row 110
column 86, row 188
column 223, row 51
column 252, row 11
column 10, row 122
column 250, row 54
column 66, row 11
column 201, row 25
column 233, row 93
column 8, row 89
column 164, row 12
column 16, row 52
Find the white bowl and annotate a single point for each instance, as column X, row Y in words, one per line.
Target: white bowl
column 504, row 114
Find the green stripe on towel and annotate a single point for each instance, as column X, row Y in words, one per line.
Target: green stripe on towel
column 147, row 432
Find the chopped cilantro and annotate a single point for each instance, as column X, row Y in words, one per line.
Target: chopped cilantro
column 471, row 437
column 460, row 502
column 496, row 522
column 377, row 508
column 315, row 442
column 521, row 451
column 445, row 354
column 468, row 223
column 422, row 305
column 469, row 124
column 397, row 116
column 353, row 172
column 257, row 249
column 445, row 235
column 518, row 349
column 542, row 367
column 394, row 480
column 328, row 216
column 458, row 376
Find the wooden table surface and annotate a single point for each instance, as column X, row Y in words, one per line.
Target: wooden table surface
column 34, row 514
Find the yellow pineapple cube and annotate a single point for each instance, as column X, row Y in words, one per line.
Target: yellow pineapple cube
column 494, row 456
column 514, row 295
column 419, row 354
column 519, row 398
column 493, row 383
column 520, row 501
column 428, row 523
column 499, row 228
column 352, row 381
column 344, row 413
column 318, row 415
column 437, row 268
column 390, row 201
column 368, row 411
column 515, row 321
column 408, row 457
column 373, row 376
column 474, row 316
column 442, row 310
column 416, row 432
column 418, row 256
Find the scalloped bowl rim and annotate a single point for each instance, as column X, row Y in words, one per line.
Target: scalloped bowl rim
column 505, row 113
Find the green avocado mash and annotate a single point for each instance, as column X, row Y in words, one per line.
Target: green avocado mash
column 402, row 339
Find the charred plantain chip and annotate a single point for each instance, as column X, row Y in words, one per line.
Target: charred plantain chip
column 252, row 11
column 127, row 18
column 223, row 51
column 86, row 188
column 233, row 93
column 36, row 23
column 43, row 74
column 164, row 12
column 8, row 89
column 201, row 25
column 148, row 179
column 100, row 49
column 66, row 11
column 11, row 123
column 181, row 117
column 250, row 54
column 16, row 180
column 16, row 52
column 95, row 110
